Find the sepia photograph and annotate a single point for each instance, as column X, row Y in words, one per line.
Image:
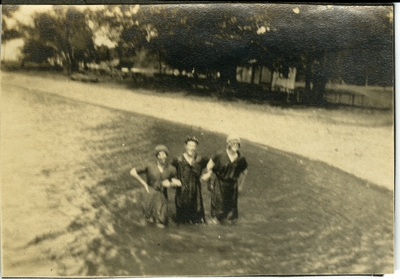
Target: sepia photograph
column 197, row 139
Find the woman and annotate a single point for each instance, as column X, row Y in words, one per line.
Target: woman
column 159, row 176
column 188, row 198
column 230, row 169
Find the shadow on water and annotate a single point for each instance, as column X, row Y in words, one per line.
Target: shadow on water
column 296, row 216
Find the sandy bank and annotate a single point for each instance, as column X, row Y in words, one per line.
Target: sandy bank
column 367, row 152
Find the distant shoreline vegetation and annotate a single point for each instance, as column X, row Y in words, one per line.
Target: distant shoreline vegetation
column 238, row 45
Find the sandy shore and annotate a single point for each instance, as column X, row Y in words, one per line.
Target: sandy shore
column 367, row 152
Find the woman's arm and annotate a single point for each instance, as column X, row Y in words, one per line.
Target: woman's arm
column 206, row 176
column 241, row 180
column 138, row 178
column 173, row 182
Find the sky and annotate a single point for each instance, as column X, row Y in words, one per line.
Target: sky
column 11, row 51
column 24, row 13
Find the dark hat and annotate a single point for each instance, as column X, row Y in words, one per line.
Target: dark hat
column 160, row 148
column 189, row 138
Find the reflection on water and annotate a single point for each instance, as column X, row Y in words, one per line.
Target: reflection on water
column 295, row 216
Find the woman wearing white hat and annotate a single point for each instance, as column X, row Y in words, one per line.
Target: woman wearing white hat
column 230, row 169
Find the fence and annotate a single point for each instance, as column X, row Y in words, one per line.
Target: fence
column 364, row 96
column 267, row 81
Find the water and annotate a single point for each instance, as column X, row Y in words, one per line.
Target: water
column 74, row 210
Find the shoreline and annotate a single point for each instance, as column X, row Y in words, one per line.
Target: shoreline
column 366, row 152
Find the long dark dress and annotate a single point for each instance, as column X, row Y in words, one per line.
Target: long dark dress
column 155, row 203
column 224, row 196
column 188, row 198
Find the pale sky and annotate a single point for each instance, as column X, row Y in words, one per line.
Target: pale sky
column 11, row 51
column 24, row 13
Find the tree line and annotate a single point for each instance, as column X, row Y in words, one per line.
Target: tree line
column 353, row 44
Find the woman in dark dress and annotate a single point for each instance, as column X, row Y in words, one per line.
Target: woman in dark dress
column 188, row 198
column 159, row 176
column 230, row 169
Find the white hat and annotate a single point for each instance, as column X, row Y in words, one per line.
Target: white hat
column 233, row 138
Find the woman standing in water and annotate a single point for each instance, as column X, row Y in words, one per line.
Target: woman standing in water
column 230, row 169
column 159, row 176
column 188, row 198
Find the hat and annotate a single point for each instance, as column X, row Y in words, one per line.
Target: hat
column 194, row 139
column 232, row 139
column 160, row 148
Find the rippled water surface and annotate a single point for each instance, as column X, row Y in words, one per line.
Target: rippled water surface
column 71, row 208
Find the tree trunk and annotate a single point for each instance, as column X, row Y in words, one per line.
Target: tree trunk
column 3, row 58
column 228, row 78
column 68, row 62
column 253, row 73
column 319, row 83
column 68, row 50
column 159, row 63
column 308, row 79
column 319, row 89
column 74, row 65
column 308, row 74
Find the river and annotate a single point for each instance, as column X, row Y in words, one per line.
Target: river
column 70, row 207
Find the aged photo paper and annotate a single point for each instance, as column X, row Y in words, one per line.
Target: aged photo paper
column 226, row 139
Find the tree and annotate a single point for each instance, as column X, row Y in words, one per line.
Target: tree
column 323, row 42
column 208, row 38
column 62, row 33
column 8, row 33
column 219, row 37
column 119, row 24
column 325, row 38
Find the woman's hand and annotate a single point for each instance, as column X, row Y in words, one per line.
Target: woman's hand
column 176, row 182
column 171, row 183
column 146, row 187
column 206, row 176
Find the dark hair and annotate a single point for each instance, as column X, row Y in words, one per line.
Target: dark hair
column 188, row 138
